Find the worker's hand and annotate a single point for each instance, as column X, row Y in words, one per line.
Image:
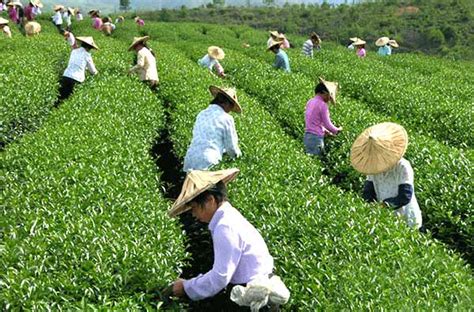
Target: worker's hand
column 339, row 129
column 178, row 287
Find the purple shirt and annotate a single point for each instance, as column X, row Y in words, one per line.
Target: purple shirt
column 29, row 14
column 13, row 14
column 361, row 52
column 240, row 255
column 96, row 22
column 317, row 117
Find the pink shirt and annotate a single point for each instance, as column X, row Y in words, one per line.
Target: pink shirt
column 97, row 23
column 285, row 44
column 361, row 52
column 13, row 14
column 29, row 14
column 317, row 117
column 140, row 22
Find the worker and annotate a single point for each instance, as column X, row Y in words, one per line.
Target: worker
column 79, row 61
column 360, row 48
column 5, row 28
column 14, row 11
column 32, row 28
column 281, row 58
column 317, row 121
column 286, row 43
column 274, row 36
column 107, row 26
column 67, row 18
column 146, row 62
column 139, row 21
column 214, row 131
column 211, row 60
column 58, row 18
column 119, row 19
column 30, row 12
column 79, row 16
column 241, row 256
column 96, row 20
column 313, row 43
column 384, row 48
column 351, row 44
column 378, row 153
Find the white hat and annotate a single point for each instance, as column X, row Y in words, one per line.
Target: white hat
column 89, row 41
column 382, row 41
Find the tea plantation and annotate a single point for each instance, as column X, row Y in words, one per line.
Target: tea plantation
column 83, row 219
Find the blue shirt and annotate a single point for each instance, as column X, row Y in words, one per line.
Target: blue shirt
column 213, row 135
column 385, row 50
column 281, row 61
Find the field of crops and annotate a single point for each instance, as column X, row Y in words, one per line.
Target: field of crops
column 84, row 194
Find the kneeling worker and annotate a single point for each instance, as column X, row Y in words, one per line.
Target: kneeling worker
column 242, row 261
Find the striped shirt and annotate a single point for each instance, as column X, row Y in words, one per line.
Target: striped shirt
column 308, row 47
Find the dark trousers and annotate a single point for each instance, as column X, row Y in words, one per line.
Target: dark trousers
column 66, row 88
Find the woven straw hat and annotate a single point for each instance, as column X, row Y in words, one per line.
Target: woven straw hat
column 89, row 41
column 274, row 33
column 332, row 88
column 382, row 41
column 15, row 3
column 71, row 11
column 36, row 3
column 58, row 7
column 393, row 43
column 354, row 39
column 274, row 43
column 137, row 40
column 216, row 52
column 32, row 28
column 230, row 93
column 136, row 18
column 379, row 148
column 358, row 42
column 3, row 21
column 197, row 182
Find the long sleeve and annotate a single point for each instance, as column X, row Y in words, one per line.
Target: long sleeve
column 140, row 62
column 405, row 193
column 91, row 65
column 326, row 121
column 231, row 140
column 227, row 254
column 369, row 192
column 219, row 69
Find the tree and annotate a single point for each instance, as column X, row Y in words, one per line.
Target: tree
column 269, row 2
column 218, row 3
column 124, row 5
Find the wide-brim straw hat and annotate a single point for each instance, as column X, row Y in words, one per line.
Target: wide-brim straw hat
column 382, row 41
column 229, row 93
column 32, row 28
column 274, row 43
column 71, row 10
column 3, row 21
column 137, row 40
column 358, row 42
column 216, row 52
column 197, row 182
column 37, row 3
column 274, row 33
column 354, row 39
column 331, row 87
column 136, row 18
column 58, row 7
column 89, row 41
column 15, row 3
column 379, row 148
column 393, row 43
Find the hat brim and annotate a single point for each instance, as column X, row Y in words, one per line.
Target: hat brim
column 216, row 53
column 92, row 44
column 278, row 43
column 393, row 44
column 216, row 90
column 328, row 87
column 141, row 40
column 382, row 41
column 182, row 206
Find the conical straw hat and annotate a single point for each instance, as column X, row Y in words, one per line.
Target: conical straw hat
column 230, row 93
column 58, row 7
column 15, row 3
column 393, row 43
column 89, row 41
column 32, row 28
column 358, row 42
column 332, row 88
column 3, row 21
column 71, row 11
column 274, row 43
column 382, row 41
column 354, row 39
column 216, row 52
column 36, row 3
column 197, row 182
column 274, row 33
column 379, row 148
column 138, row 40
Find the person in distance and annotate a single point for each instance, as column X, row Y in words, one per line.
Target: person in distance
column 5, row 28
column 214, row 132
column 242, row 271
column 145, row 66
column 107, row 26
column 378, row 153
column 360, row 48
column 314, row 42
column 317, row 121
column 58, row 18
column 274, row 36
column 281, row 58
column 96, row 20
column 79, row 60
column 211, row 60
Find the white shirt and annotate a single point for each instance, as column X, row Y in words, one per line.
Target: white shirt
column 79, row 17
column 240, row 255
column 78, row 61
column 146, row 65
column 386, row 186
column 213, row 135
column 57, row 18
column 208, row 62
column 67, row 18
